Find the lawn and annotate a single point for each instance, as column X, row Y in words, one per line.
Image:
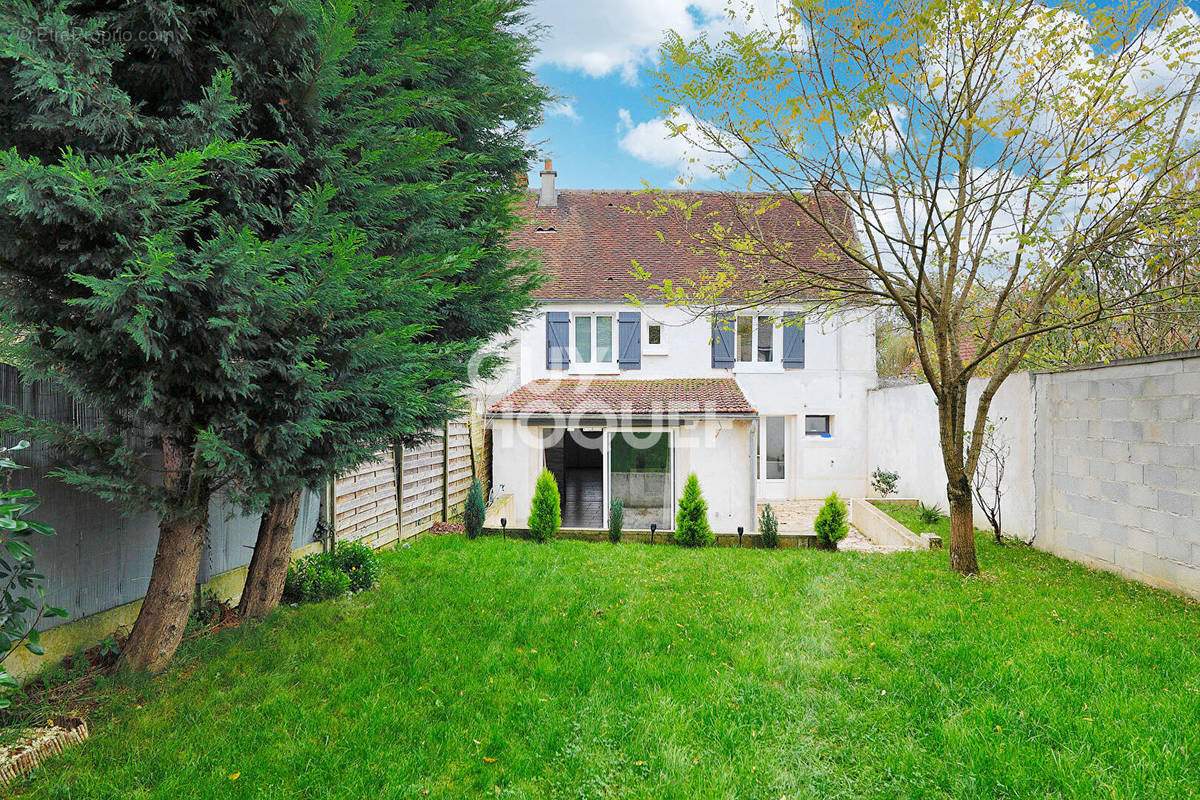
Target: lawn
column 574, row 670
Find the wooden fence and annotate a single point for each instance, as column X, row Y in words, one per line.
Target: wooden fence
column 404, row 492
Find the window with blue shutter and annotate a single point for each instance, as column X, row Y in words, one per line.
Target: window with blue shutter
column 722, row 342
column 558, row 340
column 629, row 328
column 793, row 341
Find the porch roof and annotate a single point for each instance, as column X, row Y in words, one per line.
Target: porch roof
column 567, row 397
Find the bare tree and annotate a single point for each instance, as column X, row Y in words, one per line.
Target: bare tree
column 988, row 479
column 969, row 163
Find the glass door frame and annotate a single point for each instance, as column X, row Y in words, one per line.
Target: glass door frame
column 760, row 471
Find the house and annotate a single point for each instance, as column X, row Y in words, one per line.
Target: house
column 623, row 399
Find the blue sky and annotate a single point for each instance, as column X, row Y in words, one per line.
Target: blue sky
column 607, row 134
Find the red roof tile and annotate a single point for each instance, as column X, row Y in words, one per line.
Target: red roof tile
column 613, row 397
column 588, row 243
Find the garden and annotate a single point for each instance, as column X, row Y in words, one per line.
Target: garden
column 493, row 667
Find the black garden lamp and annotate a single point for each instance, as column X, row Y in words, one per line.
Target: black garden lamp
column 653, row 528
column 503, row 526
column 741, row 529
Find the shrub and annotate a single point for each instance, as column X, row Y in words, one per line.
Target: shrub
column 930, row 515
column 691, row 522
column 351, row 567
column 768, row 527
column 616, row 519
column 884, row 481
column 359, row 562
column 545, row 513
column 831, row 525
column 23, row 597
column 474, row 512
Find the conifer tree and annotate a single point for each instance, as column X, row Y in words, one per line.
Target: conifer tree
column 474, row 512
column 545, row 513
column 691, row 521
column 211, row 236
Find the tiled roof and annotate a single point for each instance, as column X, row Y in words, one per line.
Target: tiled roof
column 588, row 243
column 613, row 397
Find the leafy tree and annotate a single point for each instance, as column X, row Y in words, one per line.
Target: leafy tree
column 884, row 481
column 768, row 527
column 22, row 588
column 545, row 513
column 988, row 480
column 474, row 512
column 832, row 523
column 969, row 163
column 691, row 520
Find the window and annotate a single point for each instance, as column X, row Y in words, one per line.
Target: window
column 655, row 343
column 818, row 425
column 755, row 338
column 772, row 448
column 654, row 335
column 593, row 339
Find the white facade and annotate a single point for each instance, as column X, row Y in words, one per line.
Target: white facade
column 839, row 370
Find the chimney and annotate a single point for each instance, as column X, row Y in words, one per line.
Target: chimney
column 548, row 198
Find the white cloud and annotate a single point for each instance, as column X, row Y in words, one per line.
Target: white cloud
column 698, row 152
column 563, row 108
column 603, row 37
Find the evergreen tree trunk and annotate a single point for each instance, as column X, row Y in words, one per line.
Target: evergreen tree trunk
column 164, row 614
column 272, row 553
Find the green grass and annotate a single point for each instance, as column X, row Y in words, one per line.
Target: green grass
column 575, row 670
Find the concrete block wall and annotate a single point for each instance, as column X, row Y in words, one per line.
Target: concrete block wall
column 1105, row 463
column 1118, row 476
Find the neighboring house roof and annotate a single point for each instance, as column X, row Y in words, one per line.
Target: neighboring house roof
column 589, row 240
column 615, row 397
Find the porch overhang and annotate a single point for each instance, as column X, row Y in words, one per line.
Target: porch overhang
column 638, row 403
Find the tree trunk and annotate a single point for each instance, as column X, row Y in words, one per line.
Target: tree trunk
column 962, row 526
column 164, row 614
column 272, row 553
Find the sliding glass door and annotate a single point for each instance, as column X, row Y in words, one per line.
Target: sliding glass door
column 640, row 475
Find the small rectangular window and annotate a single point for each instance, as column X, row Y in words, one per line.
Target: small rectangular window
column 766, row 336
column 654, row 334
column 745, row 338
column 583, row 340
column 604, row 340
column 817, row 425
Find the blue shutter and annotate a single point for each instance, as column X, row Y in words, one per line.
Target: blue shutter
column 793, row 341
column 722, row 342
column 629, row 353
column 558, row 340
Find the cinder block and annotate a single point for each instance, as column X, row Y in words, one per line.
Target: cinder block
column 1158, row 430
column 1177, row 503
column 1115, row 451
column 1118, row 408
column 1128, row 473
column 1188, row 382
column 1177, row 455
column 1101, row 469
column 1118, row 493
column 1145, row 497
column 1186, row 433
column 1159, row 385
column 1174, row 549
column 1156, row 522
column 1126, row 430
column 1160, row 477
column 1140, row 540
column 1129, row 558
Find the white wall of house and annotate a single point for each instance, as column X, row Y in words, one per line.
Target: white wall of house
column 839, row 371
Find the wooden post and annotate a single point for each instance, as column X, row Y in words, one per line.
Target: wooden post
column 331, row 512
column 398, row 459
column 446, row 472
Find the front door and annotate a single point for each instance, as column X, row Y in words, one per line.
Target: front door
column 772, row 458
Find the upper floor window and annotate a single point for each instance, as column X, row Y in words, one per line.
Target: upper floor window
column 755, row 338
column 593, row 338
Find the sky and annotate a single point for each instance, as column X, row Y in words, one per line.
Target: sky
column 606, row 132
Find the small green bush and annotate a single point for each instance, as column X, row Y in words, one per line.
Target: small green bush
column 884, row 481
column 930, row 515
column 616, row 519
column 359, row 562
column 691, row 521
column 831, row 525
column 351, row 567
column 474, row 512
column 545, row 513
column 768, row 527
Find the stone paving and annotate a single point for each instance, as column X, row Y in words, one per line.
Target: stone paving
column 798, row 516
